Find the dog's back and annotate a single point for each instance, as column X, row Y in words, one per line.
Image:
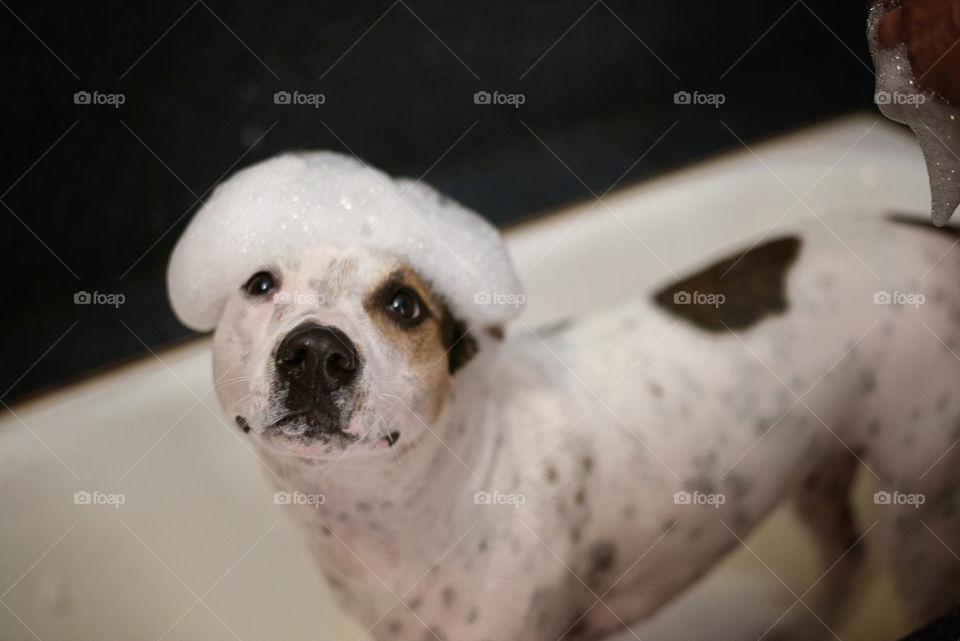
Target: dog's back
column 780, row 371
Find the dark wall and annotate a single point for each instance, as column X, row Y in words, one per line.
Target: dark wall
column 94, row 196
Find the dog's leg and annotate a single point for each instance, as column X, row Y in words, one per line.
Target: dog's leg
column 824, row 506
column 924, row 545
column 822, row 503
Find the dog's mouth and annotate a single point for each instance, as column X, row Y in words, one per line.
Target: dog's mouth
column 311, row 426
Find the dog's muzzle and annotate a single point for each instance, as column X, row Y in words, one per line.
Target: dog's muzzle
column 317, row 365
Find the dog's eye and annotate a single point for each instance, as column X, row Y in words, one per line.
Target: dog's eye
column 406, row 305
column 260, row 284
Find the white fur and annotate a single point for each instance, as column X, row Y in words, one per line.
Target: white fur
column 593, row 429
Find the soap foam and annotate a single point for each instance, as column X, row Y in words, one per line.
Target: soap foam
column 282, row 205
column 934, row 122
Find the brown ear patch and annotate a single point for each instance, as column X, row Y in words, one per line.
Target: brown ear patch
column 736, row 292
column 460, row 345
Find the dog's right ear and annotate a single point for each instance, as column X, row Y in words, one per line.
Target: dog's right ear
column 461, row 346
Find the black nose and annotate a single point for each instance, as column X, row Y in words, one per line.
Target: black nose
column 317, row 357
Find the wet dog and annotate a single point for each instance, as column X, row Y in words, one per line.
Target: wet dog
column 480, row 482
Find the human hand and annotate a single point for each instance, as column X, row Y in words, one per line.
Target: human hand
column 931, row 31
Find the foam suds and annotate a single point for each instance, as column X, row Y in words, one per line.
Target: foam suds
column 934, row 122
column 280, row 206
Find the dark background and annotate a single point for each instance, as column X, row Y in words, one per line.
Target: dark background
column 94, row 197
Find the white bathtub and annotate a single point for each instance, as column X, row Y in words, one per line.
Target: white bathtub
column 198, row 550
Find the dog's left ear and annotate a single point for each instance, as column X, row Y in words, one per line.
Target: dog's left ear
column 458, row 342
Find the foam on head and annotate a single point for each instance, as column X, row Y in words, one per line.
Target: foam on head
column 282, row 205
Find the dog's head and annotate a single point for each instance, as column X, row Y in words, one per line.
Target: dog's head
column 337, row 347
column 346, row 304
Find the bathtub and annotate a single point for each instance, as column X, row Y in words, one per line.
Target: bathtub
column 131, row 509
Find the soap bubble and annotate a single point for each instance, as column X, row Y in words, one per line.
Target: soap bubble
column 246, row 227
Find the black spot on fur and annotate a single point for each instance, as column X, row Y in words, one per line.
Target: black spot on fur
column 449, row 595
column 867, row 382
column 550, row 473
column 578, row 496
column 496, row 331
column 242, row 422
column 473, row 615
column 942, row 403
column 751, row 284
column 587, row 463
column 460, row 345
column 602, row 556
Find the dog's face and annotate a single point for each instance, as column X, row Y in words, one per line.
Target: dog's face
column 336, row 349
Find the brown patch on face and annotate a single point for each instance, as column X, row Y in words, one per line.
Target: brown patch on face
column 461, row 346
column 751, row 284
column 434, row 345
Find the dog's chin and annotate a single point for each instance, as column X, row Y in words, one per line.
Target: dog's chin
column 317, row 438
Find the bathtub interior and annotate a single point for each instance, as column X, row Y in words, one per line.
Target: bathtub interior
column 199, row 550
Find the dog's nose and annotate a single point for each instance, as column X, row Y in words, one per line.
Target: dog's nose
column 317, row 357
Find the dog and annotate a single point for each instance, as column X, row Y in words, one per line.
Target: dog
column 480, row 481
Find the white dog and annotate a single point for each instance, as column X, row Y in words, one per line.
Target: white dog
column 482, row 483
